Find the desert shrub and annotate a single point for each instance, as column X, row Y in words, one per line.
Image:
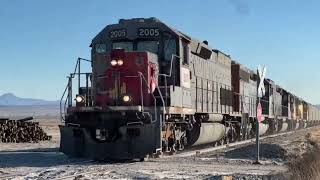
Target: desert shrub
column 307, row 166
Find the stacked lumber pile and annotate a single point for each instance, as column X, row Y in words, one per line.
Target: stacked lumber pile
column 21, row 131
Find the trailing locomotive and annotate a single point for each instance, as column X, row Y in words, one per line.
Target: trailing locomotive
column 154, row 89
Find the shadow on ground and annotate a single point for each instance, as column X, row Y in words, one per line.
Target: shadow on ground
column 31, row 150
column 268, row 151
column 45, row 157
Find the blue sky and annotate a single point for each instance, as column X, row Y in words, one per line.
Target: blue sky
column 40, row 40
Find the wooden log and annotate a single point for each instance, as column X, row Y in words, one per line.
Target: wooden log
column 22, row 130
column 25, row 119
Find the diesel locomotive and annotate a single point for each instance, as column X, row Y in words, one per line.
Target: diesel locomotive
column 154, row 89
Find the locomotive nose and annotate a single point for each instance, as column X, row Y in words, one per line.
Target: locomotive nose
column 129, row 79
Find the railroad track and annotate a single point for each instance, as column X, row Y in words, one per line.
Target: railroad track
column 197, row 151
column 80, row 175
column 185, row 153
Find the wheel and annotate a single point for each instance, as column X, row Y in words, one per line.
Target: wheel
column 144, row 158
column 214, row 144
column 173, row 150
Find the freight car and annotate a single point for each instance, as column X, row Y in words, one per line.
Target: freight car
column 154, row 89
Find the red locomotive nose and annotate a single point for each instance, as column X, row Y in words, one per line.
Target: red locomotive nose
column 118, row 54
column 130, row 79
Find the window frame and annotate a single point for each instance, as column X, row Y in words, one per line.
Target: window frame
column 148, row 40
column 185, row 52
column 123, row 41
column 98, row 45
column 167, row 36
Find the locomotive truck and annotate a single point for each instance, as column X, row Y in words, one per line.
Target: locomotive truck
column 154, row 89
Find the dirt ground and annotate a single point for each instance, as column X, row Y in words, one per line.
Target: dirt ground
column 44, row 161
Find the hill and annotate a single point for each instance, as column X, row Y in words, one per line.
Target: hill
column 10, row 99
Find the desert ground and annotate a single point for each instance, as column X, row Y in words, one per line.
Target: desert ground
column 44, row 161
column 40, row 112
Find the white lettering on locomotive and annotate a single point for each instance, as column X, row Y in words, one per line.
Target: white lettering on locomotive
column 119, row 33
column 148, row 32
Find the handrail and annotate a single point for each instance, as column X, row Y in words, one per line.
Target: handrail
column 171, row 64
column 61, row 100
column 155, row 100
column 68, row 88
column 168, row 75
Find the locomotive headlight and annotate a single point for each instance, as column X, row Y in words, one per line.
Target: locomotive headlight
column 79, row 99
column 113, row 62
column 126, row 98
column 120, row 62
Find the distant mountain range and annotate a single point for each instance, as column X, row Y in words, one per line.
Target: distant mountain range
column 10, row 99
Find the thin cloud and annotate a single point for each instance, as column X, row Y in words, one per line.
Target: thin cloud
column 240, row 6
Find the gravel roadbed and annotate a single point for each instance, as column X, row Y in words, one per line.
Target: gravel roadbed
column 44, row 161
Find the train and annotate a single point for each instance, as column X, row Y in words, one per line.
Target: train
column 153, row 89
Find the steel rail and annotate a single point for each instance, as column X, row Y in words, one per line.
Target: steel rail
column 195, row 151
column 74, row 176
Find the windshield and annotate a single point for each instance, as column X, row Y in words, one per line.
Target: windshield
column 169, row 48
column 151, row 46
column 127, row 46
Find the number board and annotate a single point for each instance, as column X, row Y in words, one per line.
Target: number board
column 118, row 33
column 148, row 32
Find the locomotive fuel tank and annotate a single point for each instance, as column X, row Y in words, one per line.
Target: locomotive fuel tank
column 284, row 127
column 206, row 133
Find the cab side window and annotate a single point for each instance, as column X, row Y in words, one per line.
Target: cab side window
column 185, row 49
column 101, row 48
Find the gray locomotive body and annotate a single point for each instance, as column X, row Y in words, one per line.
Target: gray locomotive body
column 154, row 89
